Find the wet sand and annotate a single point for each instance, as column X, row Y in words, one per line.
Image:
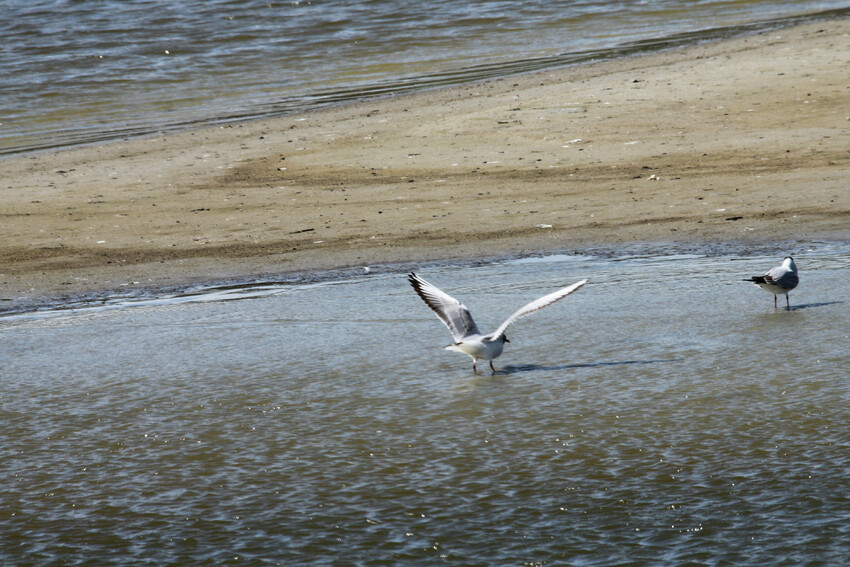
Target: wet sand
column 739, row 141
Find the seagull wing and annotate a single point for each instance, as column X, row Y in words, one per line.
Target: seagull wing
column 450, row 311
column 783, row 277
column 536, row 305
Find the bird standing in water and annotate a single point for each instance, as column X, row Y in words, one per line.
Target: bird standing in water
column 779, row 280
column 468, row 339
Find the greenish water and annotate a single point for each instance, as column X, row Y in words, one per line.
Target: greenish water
column 664, row 414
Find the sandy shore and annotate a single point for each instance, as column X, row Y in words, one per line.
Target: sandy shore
column 744, row 140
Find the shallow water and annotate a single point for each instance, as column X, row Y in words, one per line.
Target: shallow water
column 74, row 72
column 665, row 413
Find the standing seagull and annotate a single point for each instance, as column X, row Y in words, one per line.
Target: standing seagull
column 779, row 280
column 468, row 339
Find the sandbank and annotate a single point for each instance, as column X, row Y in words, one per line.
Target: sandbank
column 743, row 140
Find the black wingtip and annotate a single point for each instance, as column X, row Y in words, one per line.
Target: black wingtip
column 415, row 282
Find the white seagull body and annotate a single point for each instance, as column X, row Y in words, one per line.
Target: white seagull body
column 468, row 339
column 779, row 280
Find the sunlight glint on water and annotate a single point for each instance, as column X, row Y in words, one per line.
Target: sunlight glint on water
column 666, row 412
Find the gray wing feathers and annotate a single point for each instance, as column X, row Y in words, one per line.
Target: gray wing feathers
column 450, row 311
column 536, row 305
column 782, row 277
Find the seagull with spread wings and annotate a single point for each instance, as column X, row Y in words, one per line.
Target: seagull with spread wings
column 467, row 338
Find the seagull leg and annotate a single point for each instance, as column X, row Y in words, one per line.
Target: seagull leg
column 787, row 302
column 492, row 368
column 474, row 370
column 774, row 301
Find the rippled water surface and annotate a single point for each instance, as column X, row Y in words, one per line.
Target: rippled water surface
column 74, row 72
column 664, row 413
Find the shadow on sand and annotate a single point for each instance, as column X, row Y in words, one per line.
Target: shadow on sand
column 516, row 368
